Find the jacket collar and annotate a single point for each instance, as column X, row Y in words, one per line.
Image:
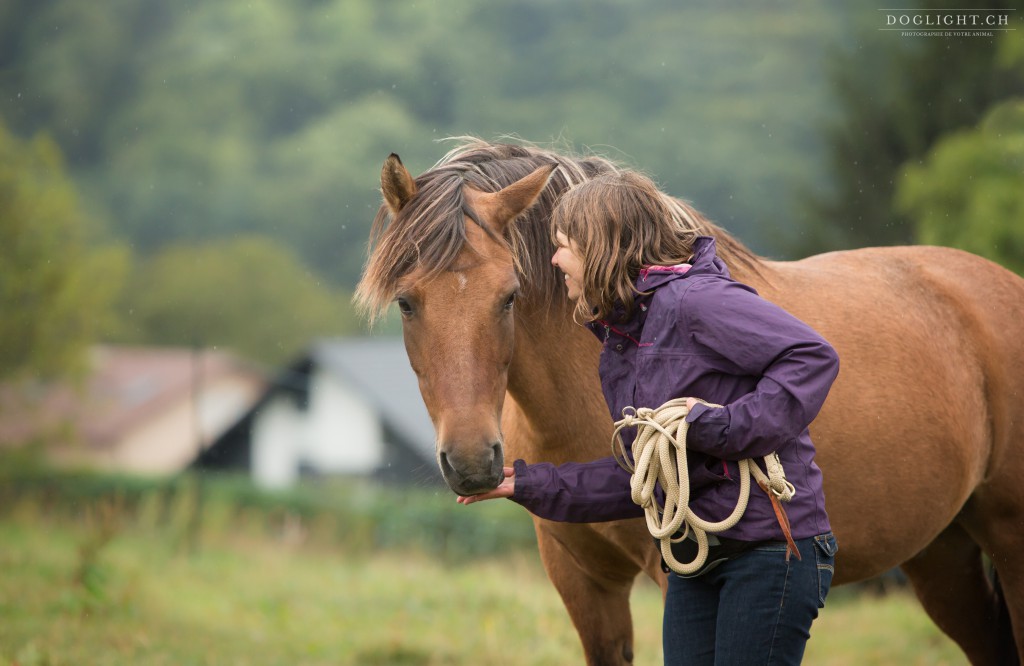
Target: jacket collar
column 704, row 261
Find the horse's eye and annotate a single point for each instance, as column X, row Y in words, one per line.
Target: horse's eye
column 404, row 307
column 510, row 301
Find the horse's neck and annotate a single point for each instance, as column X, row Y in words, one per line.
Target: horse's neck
column 554, row 382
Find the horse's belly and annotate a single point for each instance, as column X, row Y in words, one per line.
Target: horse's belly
column 898, row 466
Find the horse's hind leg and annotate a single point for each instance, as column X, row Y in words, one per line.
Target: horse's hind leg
column 595, row 586
column 995, row 518
column 950, row 580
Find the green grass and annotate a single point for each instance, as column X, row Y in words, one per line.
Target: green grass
column 859, row 629
column 250, row 599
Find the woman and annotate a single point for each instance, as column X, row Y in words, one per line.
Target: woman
column 674, row 324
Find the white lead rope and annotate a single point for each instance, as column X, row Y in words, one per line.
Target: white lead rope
column 659, row 457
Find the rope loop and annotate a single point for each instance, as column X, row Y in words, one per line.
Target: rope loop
column 658, row 457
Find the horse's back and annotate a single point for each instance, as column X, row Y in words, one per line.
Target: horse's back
column 931, row 374
column 964, row 308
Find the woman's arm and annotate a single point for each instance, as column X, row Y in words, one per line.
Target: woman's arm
column 590, row 492
column 795, row 364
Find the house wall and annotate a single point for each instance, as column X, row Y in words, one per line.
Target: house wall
column 337, row 433
column 277, row 433
column 170, row 440
column 345, row 434
column 163, row 444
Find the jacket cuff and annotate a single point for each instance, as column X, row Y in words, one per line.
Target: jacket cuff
column 709, row 427
column 522, row 490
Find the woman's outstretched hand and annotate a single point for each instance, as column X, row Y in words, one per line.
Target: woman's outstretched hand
column 505, row 489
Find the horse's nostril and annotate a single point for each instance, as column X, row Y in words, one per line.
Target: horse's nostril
column 497, row 460
column 446, row 467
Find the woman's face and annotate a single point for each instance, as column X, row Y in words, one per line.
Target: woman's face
column 570, row 263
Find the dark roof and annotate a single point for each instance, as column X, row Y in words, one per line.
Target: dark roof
column 379, row 367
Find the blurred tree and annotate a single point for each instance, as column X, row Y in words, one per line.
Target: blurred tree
column 66, row 66
column 896, row 97
column 249, row 294
column 259, row 117
column 189, row 121
column 968, row 191
column 55, row 291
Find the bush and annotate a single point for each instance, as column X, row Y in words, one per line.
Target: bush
column 355, row 516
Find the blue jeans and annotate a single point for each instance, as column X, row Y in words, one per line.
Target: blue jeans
column 754, row 609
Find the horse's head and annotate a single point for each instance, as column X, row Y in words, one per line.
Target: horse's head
column 455, row 277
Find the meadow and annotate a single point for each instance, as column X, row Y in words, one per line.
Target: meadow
column 131, row 577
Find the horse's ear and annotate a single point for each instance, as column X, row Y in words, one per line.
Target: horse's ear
column 396, row 184
column 507, row 203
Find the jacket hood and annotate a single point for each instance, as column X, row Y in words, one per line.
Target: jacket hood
column 705, row 258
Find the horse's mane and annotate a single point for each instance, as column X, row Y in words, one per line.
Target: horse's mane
column 430, row 230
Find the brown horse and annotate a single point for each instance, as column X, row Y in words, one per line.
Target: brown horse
column 921, row 440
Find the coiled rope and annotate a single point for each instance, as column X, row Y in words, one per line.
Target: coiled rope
column 659, row 457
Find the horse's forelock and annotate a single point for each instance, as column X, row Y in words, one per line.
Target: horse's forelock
column 430, row 231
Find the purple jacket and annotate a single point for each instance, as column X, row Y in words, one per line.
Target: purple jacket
column 698, row 333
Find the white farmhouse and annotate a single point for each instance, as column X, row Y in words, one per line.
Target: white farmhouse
column 346, row 407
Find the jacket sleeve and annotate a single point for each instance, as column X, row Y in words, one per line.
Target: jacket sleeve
column 794, row 364
column 590, row 492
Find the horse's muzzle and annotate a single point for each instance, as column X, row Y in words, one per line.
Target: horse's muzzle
column 474, row 473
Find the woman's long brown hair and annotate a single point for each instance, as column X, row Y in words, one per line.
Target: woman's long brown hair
column 619, row 223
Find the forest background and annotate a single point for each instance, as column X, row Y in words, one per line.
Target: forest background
column 201, row 173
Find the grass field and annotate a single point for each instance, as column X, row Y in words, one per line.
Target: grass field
column 69, row 598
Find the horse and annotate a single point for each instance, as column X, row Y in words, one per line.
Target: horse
column 920, row 440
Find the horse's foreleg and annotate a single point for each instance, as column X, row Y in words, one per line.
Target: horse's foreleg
column 950, row 581
column 594, row 579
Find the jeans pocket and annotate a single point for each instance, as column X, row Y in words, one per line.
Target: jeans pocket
column 825, row 548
